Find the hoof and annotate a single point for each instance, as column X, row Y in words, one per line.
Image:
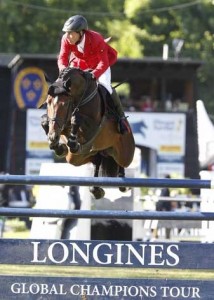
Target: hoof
column 97, row 192
column 61, row 150
column 124, row 189
column 73, row 145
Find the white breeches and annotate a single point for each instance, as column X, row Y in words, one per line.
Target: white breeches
column 105, row 80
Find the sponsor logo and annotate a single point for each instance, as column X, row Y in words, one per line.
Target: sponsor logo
column 30, row 87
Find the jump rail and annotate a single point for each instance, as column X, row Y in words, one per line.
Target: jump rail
column 105, row 214
column 106, row 181
column 156, row 255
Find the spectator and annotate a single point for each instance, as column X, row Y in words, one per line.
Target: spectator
column 165, row 205
column 147, row 104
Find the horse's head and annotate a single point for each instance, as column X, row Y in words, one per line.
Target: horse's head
column 64, row 96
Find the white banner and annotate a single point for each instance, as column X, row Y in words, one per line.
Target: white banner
column 165, row 133
column 36, row 139
column 37, row 148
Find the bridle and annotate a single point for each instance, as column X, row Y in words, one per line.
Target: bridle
column 85, row 99
column 60, row 121
column 70, row 106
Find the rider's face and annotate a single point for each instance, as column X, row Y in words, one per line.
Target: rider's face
column 73, row 37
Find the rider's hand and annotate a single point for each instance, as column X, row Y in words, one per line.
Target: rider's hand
column 91, row 74
column 61, row 69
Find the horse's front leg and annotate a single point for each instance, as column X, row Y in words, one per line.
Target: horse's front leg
column 61, row 150
column 72, row 139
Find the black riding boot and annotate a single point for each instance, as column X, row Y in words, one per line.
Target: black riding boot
column 122, row 123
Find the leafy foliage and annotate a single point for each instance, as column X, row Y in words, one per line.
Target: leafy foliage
column 138, row 28
column 191, row 21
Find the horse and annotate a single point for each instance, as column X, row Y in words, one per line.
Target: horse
column 81, row 126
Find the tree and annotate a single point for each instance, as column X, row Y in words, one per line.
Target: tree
column 138, row 28
column 165, row 20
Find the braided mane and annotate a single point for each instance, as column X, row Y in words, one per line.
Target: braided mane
column 65, row 74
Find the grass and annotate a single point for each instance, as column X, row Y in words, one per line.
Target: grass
column 16, row 234
column 70, row 271
column 14, row 228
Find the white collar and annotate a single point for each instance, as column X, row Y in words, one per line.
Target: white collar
column 81, row 44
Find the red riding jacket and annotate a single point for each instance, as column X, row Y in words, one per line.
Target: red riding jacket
column 97, row 55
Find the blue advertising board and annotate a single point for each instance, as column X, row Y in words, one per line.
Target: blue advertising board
column 55, row 288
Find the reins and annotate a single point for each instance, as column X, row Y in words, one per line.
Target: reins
column 83, row 100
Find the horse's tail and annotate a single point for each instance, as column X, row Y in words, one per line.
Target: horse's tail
column 109, row 167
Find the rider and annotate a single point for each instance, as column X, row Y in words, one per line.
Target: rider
column 87, row 49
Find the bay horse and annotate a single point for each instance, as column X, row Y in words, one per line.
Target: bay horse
column 82, row 127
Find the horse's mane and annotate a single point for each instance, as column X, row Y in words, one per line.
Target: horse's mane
column 65, row 73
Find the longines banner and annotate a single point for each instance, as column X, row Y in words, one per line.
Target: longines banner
column 105, row 254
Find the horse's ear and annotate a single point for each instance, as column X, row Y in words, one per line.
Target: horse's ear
column 57, row 88
column 43, row 105
column 48, row 80
column 42, row 101
column 51, row 90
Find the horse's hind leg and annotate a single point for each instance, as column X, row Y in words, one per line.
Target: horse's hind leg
column 97, row 191
column 121, row 173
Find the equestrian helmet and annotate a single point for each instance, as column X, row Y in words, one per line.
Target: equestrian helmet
column 76, row 23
